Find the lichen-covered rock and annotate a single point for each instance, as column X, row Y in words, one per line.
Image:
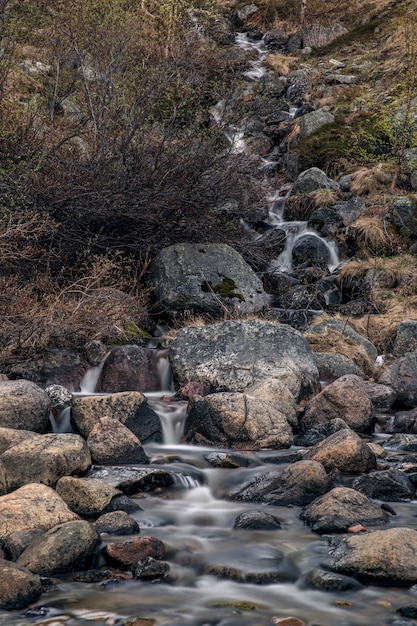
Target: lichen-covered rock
column 390, row 485
column 332, row 365
column 235, row 420
column 406, row 337
column 205, row 278
column 88, row 497
column 275, row 393
column 312, row 180
column 18, row 586
column 116, row 523
column 235, row 355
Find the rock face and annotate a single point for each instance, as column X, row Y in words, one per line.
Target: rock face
column 279, row 397
column 205, row 278
column 65, row 548
column 340, row 508
column 32, row 506
column 45, row 459
column 345, row 451
column 386, row 557
column 402, row 376
column 235, row 420
column 347, row 398
column 24, row 405
column 234, row 355
column 130, row 408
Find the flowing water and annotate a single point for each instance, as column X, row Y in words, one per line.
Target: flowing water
column 194, row 518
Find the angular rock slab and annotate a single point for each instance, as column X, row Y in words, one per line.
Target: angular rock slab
column 111, row 443
column 24, row 405
column 235, row 355
column 129, row 407
column 65, row 548
column 383, row 557
column 237, row 421
column 205, row 278
column 46, row 459
column 341, row 507
column 32, row 506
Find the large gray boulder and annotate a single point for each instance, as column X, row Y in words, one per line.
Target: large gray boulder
column 235, row 420
column 310, row 122
column 234, row 355
column 205, row 278
column 402, row 377
column 314, row 179
column 24, row 405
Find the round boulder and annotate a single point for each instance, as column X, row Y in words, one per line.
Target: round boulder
column 402, row 376
column 310, row 250
column 111, row 443
column 345, row 451
column 24, row 406
column 238, row 421
column 18, row 586
column 87, row 497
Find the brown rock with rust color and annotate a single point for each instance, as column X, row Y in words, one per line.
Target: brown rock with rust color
column 347, row 398
column 32, row 506
column 127, row 553
column 111, row 443
column 345, row 451
column 11, row 436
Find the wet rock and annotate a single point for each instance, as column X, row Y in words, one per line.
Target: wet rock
column 332, row 365
column 345, row 451
column 150, row 569
column 275, row 39
column 205, row 278
column 227, row 460
column 405, row 422
column 18, row 586
column 32, row 506
column 311, row 250
column 288, row 621
column 65, row 548
column 88, row 497
column 116, row 523
column 402, row 442
column 321, row 431
column 95, row 351
column 128, row 368
column 235, row 420
column 346, row 330
column 314, row 120
column 24, row 406
column 297, row 484
column 15, row 543
column 259, row 566
column 130, row 408
column 132, row 480
column 191, row 389
column 275, row 393
column 111, row 443
column 45, row 459
column 382, row 396
column 384, row 557
column 256, row 520
column 127, row 553
column 341, row 507
column 235, row 355
column 402, row 376
column 323, row 580
column 313, row 179
column 346, row 398
column 389, row 485
column 122, row 503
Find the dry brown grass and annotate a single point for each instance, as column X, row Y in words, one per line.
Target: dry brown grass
column 334, row 341
column 368, row 180
column 325, row 197
column 281, row 64
column 373, row 236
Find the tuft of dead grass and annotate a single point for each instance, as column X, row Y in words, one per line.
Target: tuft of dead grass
column 373, row 236
column 281, row 64
column 368, row 180
column 333, row 341
column 324, row 197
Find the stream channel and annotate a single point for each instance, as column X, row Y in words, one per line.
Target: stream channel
column 195, row 521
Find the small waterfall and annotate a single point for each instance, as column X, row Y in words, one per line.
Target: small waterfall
column 164, row 370
column 89, row 381
column 62, row 424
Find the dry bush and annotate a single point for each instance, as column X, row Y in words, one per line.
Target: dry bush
column 334, row 341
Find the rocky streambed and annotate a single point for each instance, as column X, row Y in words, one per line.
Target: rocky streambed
column 253, row 494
